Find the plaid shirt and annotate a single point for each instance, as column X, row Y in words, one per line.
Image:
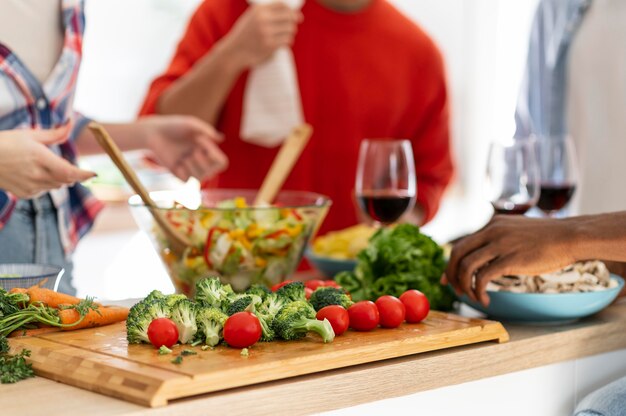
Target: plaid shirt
column 27, row 104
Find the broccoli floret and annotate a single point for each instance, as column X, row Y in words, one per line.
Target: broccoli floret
column 250, row 303
column 295, row 319
column 325, row 296
column 272, row 304
column 293, row 291
column 211, row 292
column 141, row 315
column 210, row 323
column 267, row 331
column 242, row 302
column 152, row 296
column 159, row 309
column 184, row 316
column 266, row 313
column 260, row 290
column 172, row 299
column 164, row 350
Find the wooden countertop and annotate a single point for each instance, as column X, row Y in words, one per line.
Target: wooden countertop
column 529, row 347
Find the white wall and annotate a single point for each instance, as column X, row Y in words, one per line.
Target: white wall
column 484, row 43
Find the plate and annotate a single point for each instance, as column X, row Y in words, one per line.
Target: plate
column 546, row 308
column 328, row 265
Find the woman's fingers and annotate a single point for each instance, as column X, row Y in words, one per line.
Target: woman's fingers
column 217, row 159
column 54, row 136
column 62, row 171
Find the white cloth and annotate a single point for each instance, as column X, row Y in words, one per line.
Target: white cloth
column 597, row 107
column 271, row 103
column 33, row 30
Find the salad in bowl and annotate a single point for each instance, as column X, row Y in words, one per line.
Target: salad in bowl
column 242, row 243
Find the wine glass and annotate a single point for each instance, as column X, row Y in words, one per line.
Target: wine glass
column 385, row 181
column 558, row 169
column 513, row 176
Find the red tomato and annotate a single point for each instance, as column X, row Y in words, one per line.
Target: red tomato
column 363, row 316
column 337, row 316
column 307, row 292
column 417, row 305
column 242, row 330
column 279, row 285
column 162, row 331
column 314, row 284
column 391, row 311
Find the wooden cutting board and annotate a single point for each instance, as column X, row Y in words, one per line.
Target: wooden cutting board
column 101, row 360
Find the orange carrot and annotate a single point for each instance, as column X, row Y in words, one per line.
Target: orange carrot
column 51, row 298
column 99, row 317
column 18, row 290
column 32, row 332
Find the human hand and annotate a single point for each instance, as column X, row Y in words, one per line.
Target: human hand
column 260, row 31
column 28, row 168
column 184, row 145
column 509, row 245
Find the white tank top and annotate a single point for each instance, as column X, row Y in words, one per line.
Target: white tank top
column 597, row 107
column 33, row 30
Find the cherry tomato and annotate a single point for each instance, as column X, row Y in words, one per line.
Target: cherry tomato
column 417, row 305
column 279, row 285
column 308, row 292
column 337, row 316
column 391, row 310
column 162, row 331
column 363, row 316
column 242, row 330
column 314, row 284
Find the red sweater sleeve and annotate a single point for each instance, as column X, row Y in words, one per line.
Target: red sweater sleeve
column 199, row 38
column 431, row 142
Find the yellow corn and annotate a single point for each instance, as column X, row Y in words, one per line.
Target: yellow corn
column 240, row 202
column 295, row 230
column 254, row 231
column 237, row 233
column 206, row 220
column 244, row 242
column 260, row 262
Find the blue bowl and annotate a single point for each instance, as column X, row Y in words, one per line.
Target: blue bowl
column 27, row 275
column 329, row 266
column 546, row 308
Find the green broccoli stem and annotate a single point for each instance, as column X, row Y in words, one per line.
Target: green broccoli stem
column 323, row 328
column 212, row 337
column 268, row 334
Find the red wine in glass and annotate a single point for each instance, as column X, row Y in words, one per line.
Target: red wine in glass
column 385, row 184
column 555, row 196
column 512, row 176
column 509, row 208
column 385, row 208
column 559, row 172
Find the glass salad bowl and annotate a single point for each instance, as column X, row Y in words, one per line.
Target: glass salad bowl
column 241, row 243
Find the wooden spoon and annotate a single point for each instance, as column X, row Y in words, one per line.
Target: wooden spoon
column 177, row 242
column 283, row 163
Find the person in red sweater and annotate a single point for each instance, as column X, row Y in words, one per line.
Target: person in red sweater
column 364, row 71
